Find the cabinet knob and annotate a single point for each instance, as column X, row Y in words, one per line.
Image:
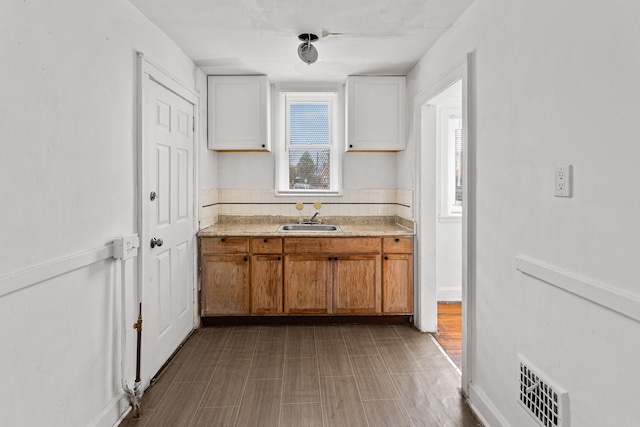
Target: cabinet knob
column 335, row 258
column 397, row 240
column 263, row 145
column 279, row 258
column 265, row 240
column 246, row 259
column 222, row 240
column 350, row 145
column 386, row 257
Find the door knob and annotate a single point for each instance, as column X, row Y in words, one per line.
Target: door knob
column 156, row 242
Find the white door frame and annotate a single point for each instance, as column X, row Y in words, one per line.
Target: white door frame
column 148, row 71
column 426, row 318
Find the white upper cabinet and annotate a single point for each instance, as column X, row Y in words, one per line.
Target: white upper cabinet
column 376, row 113
column 239, row 113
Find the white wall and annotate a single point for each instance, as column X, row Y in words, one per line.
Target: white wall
column 449, row 261
column 67, row 186
column 257, row 170
column 552, row 82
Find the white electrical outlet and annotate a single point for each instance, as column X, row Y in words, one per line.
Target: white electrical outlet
column 562, row 181
column 126, row 247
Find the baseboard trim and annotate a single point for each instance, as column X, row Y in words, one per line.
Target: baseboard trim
column 115, row 411
column 309, row 320
column 484, row 409
column 449, row 294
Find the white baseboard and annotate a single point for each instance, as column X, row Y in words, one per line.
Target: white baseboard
column 449, row 294
column 484, row 409
column 114, row 413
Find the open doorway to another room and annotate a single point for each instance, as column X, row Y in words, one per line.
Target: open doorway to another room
column 448, row 130
column 445, row 215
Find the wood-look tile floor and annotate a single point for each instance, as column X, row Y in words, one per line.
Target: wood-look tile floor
column 344, row 375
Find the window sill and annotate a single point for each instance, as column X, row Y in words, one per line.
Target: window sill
column 450, row 218
column 309, row 193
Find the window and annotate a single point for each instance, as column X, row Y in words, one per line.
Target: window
column 445, row 112
column 308, row 144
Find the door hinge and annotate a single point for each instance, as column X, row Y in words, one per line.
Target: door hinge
column 194, row 123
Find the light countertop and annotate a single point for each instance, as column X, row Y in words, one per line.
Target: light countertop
column 267, row 226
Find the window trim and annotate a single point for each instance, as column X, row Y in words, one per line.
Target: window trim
column 451, row 163
column 449, row 211
column 308, row 93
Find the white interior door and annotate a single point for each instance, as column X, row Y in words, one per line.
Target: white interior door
column 168, row 286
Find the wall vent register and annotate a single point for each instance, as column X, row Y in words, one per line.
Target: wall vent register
column 544, row 401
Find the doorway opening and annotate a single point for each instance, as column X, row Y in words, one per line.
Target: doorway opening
column 447, row 134
column 446, row 201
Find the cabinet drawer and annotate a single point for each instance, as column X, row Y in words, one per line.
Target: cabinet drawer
column 397, row 245
column 332, row 245
column 266, row 245
column 224, row 245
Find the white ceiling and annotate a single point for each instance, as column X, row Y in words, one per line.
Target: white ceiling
column 383, row 37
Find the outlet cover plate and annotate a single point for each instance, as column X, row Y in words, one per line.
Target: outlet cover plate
column 126, row 247
column 562, row 181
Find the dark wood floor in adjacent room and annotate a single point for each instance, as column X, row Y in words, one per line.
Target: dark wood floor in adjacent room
column 449, row 334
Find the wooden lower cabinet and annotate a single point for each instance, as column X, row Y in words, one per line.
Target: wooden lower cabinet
column 397, row 283
column 307, row 284
column 225, row 285
column 323, row 284
column 306, row 276
column 356, row 286
column 266, row 284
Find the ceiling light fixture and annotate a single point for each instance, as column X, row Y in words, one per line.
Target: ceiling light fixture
column 306, row 51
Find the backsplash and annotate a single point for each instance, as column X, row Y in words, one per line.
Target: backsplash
column 252, row 202
column 208, row 207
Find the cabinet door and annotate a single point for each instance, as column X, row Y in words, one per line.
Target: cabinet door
column 266, row 284
column 376, row 113
column 225, row 285
column 239, row 116
column 397, row 283
column 356, row 288
column 307, row 284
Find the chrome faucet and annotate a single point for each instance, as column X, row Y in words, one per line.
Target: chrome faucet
column 311, row 220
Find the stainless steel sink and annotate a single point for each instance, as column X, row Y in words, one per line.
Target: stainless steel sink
column 310, row 227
